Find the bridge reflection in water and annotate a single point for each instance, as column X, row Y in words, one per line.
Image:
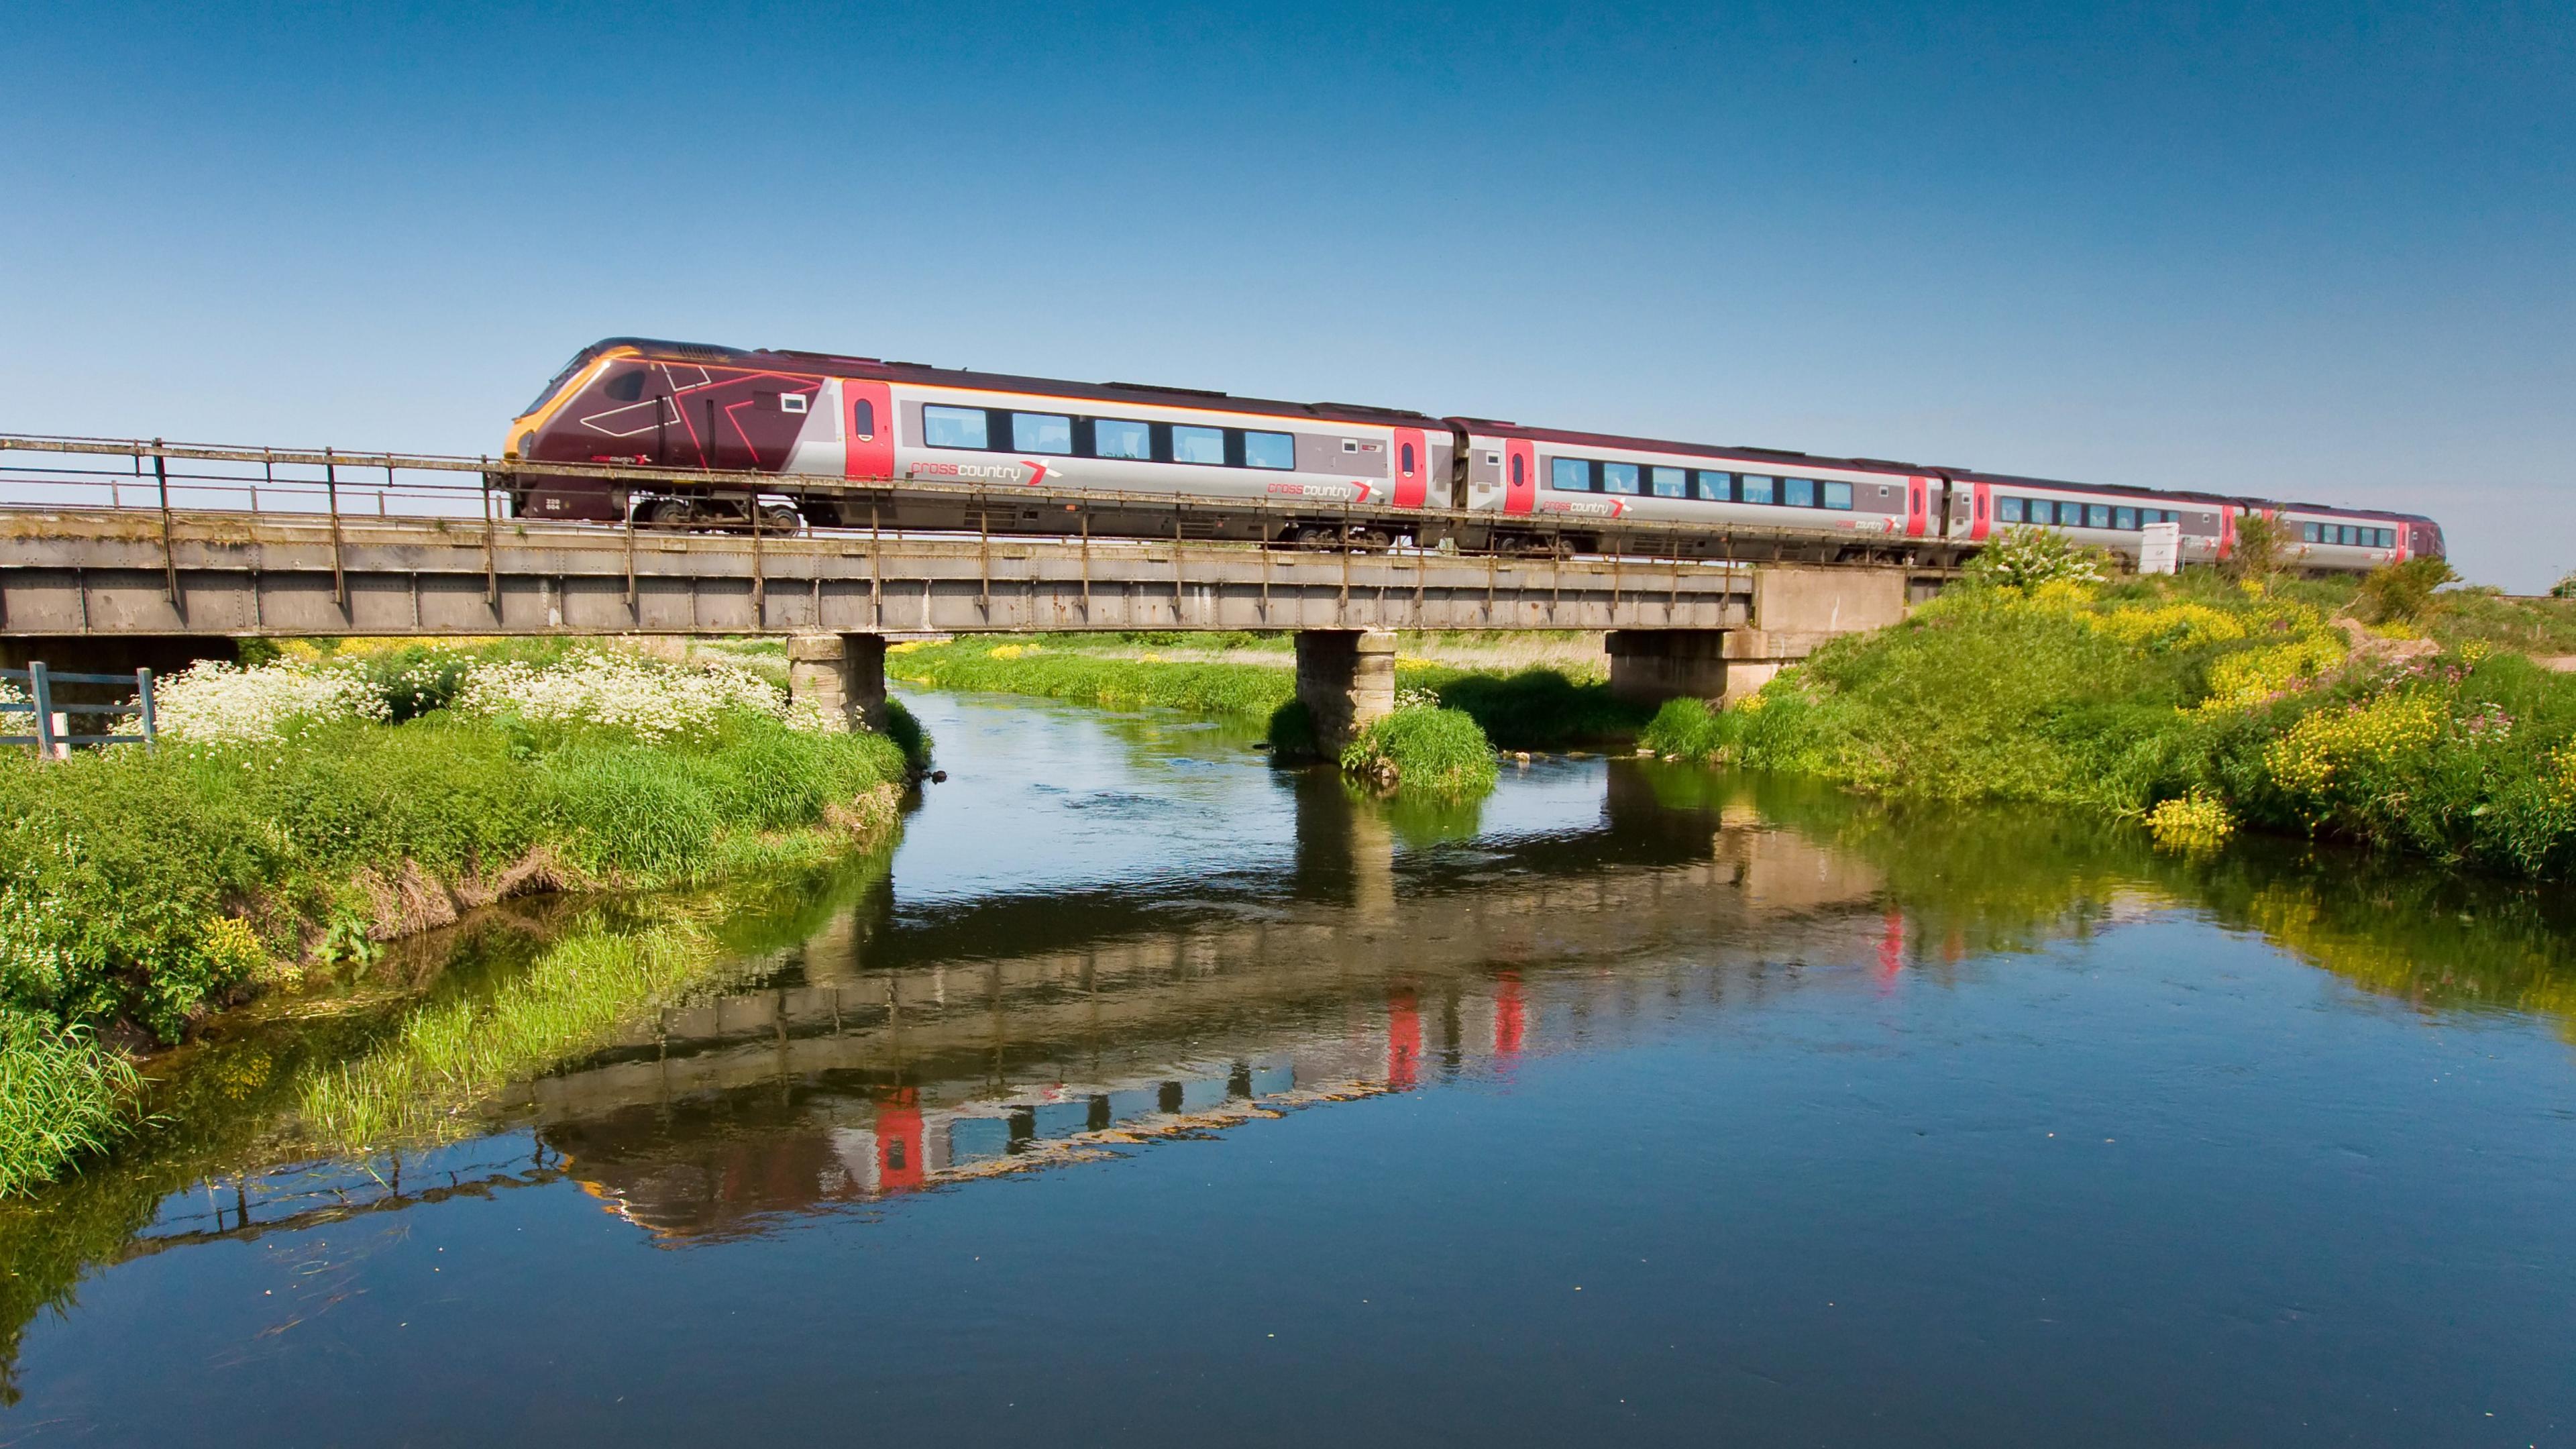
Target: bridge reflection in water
column 898, row 1049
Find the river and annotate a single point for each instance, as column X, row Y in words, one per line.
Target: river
column 1153, row 1095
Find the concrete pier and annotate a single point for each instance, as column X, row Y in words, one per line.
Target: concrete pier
column 841, row 674
column 1346, row 680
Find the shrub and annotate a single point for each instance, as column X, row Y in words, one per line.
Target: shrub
column 1292, row 732
column 2403, row 592
column 1687, row 728
column 2191, row 823
column 2025, row 558
column 2565, row 588
column 2261, row 547
column 1436, row 750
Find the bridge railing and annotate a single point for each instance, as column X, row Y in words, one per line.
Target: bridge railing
column 335, row 486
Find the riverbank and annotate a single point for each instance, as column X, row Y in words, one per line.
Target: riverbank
column 300, row 814
column 2195, row 705
column 1525, row 691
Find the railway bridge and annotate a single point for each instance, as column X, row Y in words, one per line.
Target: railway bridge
column 125, row 551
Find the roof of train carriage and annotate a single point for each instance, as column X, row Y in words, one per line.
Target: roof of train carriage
column 842, row 365
column 2009, row 480
column 1496, row 427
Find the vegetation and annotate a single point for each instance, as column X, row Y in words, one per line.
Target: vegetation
column 1424, row 747
column 286, row 827
column 2248, row 704
column 2025, row 558
column 1537, row 708
column 1001, row 666
column 312, row 1074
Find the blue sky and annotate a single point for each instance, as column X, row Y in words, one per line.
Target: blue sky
column 2312, row 251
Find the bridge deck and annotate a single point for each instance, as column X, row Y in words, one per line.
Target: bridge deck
column 90, row 572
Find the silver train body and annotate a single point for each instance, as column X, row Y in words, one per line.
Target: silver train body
column 846, row 434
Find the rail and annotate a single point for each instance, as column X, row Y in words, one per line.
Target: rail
column 331, row 485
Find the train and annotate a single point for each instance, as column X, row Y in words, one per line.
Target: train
column 846, row 434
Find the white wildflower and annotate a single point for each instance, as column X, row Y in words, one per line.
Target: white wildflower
column 213, row 701
column 648, row 700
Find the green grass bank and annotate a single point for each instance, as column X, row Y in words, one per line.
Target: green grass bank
column 299, row 814
column 2195, row 705
column 1517, row 704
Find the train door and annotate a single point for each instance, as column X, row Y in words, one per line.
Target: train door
column 1520, row 476
column 1412, row 467
column 867, row 426
column 2227, row 529
column 1918, row 507
column 1981, row 508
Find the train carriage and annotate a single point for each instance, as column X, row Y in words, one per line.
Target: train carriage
column 868, row 422
column 1545, row 483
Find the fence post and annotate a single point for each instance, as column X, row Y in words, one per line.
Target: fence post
column 143, row 694
column 41, row 690
column 339, row 576
column 169, row 560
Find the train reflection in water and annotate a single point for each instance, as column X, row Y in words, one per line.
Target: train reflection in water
column 896, row 1050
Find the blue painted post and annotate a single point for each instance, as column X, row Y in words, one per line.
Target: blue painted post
column 143, row 695
column 41, row 690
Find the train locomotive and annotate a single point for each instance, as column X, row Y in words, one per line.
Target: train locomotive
column 844, row 435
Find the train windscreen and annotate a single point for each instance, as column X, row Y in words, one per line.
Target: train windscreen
column 560, row 379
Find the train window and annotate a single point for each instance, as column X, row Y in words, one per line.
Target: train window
column 1837, row 495
column 1350, row 445
column 863, row 418
column 1569, row 475
column 953, row 427
column 2098, row 516
column 1198, row 445
column 1670, row 482
column 626, row 387
column 791, row 402
column 2388, row 538
column 1041, row 433
column 1520, row 474
column 1493, row 460
column 1117, row 438
column 1756, row 486
column 1717, row 487
column 2007, row 509
column 1269, row 450
column 1798, row 492
column 2307, row 533
column 1618, row 477
column 2124, row 519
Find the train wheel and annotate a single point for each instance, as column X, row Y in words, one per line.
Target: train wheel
column 666, row 513
column 779, row 518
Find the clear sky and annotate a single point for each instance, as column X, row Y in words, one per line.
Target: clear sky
column 2315, row 251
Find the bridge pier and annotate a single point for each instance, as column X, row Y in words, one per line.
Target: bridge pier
column 841, row 674
column 1346, row 680
column 1794, row 611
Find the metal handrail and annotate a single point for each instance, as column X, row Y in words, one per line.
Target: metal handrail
column 1747, row 542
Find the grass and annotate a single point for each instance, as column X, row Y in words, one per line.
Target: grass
column 1438, row 751
column 1049, row 671
column 2253, row 707
column 65, row 1098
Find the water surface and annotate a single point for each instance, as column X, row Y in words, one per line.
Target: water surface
column 1155, row 1095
